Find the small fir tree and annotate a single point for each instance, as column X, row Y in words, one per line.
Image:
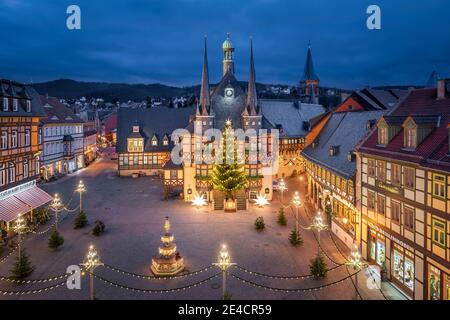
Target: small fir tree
column 295, row 239
column 259, row 224
column 22, row 268
column 80, row 220
column 282, row 221
column 229, row 175
column 55, row 240
column 99, row 228
column 318, row 267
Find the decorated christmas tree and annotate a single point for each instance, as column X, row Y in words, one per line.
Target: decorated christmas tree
column 228, row 175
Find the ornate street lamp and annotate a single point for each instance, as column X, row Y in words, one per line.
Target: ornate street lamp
column 354, row 260
column 81, row 189
column 91, row 262
column 319, row 225
column 224, row 263
column 297, row 203
column 282, row 187
column 20, row 227
column 56, row 205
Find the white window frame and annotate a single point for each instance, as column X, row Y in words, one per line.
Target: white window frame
column 14, row 139
column 15, row 104
column 26, row 168
column 27, row 137
column 2, row 175
column 28, row 106
column 12, row 174
column 4, row 140
column 5, row 104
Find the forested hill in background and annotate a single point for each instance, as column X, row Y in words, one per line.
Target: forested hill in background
column 71, row 89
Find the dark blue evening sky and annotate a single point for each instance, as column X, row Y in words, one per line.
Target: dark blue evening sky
column 145, row 41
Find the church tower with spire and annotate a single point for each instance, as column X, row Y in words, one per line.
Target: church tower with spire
column 252, row 113
column 228, row 49
column 203, row 115
column 309, row 84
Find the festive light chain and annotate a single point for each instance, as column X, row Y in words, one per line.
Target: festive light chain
column 293, row 290
column 71, row 210
column 155, row 290
column 10, row 253
column 34, row 291
column 147, row 277
column 370, row 272
column 280, row 277
column 354, row 284
column 32, row 281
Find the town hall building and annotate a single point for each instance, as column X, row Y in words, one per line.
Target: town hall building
column 144, row 141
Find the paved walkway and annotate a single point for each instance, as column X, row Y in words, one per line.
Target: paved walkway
column 369, row 283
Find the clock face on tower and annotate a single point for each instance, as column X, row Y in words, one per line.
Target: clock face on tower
column 229, row 92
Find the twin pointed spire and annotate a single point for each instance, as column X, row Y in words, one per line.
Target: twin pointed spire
column 252, row 100
column 205, row 101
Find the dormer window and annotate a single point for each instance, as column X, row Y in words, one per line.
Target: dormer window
column 333, row 151
column 15, row 105
column 410, row 138
column 5, row 104
column 351, row 156
column 28, row 106
column 382, row 135
column 154, row 141
column 135, row 129
column 165, row 141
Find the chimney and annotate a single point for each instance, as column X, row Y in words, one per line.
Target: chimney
column 443, row 88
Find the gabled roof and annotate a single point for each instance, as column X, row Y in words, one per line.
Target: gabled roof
column 204, row 103
column 157, row 121
column 342, row 132
column 56, row 112
column 423, row 106
column 290, row 115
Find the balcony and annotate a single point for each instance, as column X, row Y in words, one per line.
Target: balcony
column 203, row 183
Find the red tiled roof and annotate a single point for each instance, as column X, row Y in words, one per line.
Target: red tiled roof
column 433, row 151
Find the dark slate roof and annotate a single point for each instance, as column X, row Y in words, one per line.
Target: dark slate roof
column 343, row 130
column 290, row 115
column 228, row 108
column 309, row 73
column 157, row 122
column 23, row 93
column 56, row 112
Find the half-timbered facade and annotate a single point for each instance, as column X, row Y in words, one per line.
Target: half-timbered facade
column 20, row 151
column 404, row 184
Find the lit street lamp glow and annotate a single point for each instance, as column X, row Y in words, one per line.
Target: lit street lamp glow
column 282, row 187
column 224, row 263
column 56, row 206
column 91, row 262
column 81, row 189
column 319, row 225
column 297, row 203
column 355, row 261
column 20, row 226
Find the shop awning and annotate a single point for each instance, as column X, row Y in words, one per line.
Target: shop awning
column 11, row 208
column 34, row 197
column 22, row 202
